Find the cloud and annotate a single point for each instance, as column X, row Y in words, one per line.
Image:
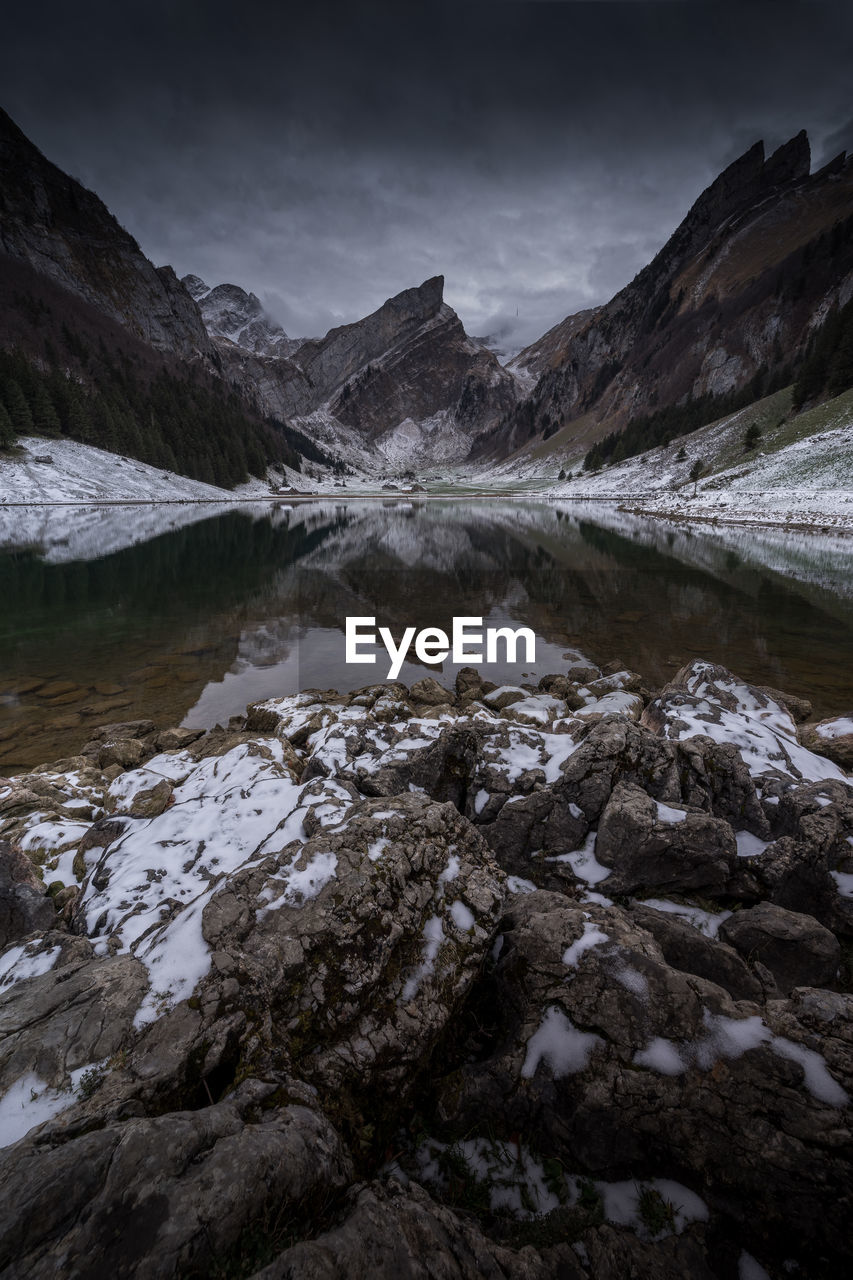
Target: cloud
column 536, row 154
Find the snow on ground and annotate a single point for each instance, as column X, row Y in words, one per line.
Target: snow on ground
column 806, row 482
column 25, row 961
column 75, row 472
column 30, row 1101
column 524, row 1187
column 731, row 1038
column 733, row 712
column 434, row 441
column 707, row 922
column 560, row 1044
column 227, row 810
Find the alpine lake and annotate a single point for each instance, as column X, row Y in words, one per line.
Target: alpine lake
column 184, row 614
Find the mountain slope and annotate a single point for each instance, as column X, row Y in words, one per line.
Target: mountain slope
column 727, row 302
column 98, row 345
column 231, row 313
column 764, row 464
column 66, row 233
column 408, row 370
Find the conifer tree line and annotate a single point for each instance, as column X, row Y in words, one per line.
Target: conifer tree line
column 825, row 368
column 676, row 420
column 170, row 421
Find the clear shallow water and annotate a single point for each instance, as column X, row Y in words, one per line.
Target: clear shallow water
column 186, row 614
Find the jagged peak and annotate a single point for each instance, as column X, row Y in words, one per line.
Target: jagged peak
column 423, row 299
column 748, row 178
column 195, row 286
column 790, row 162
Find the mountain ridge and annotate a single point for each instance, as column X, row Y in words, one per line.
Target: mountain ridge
column 65, row 232
column 705, row 316
column 724, row 312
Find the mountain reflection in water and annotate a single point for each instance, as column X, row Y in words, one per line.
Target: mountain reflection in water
column 189, row 613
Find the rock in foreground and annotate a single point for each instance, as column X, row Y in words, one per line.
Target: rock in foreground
column 516, row 982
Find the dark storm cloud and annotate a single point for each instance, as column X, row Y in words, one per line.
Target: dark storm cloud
column 535, row 153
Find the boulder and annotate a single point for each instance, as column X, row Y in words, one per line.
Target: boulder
column 470, row 684
column 797, row 950
column 394, row 1232
column 122, row 730
column 651, row 845
column 685, row 948
column 800, row 708
column 75, row 1015
column 357, row 947
column 128, row 753
column 167, row 1196
column 706, row 698
column 25, row 907
column 176, row 739
column 831, row 738
column 148, row 802
column 617, row 1065
column 791, row 874
column 430, row 692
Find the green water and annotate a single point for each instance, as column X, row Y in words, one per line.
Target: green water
column 237, row 604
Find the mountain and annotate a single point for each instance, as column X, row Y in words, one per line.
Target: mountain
column 64, row 232
column 94, row 325
column 406, row 381
column 230, row 313
column 99, row 345
column 724, row 310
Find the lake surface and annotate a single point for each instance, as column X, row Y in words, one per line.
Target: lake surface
column 187, row 613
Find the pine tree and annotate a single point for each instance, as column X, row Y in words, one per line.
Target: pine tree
column 7, row 431
column 77, row 421
column 840, row 373
column 105, row 429
column 19, row 410
column 45, row 417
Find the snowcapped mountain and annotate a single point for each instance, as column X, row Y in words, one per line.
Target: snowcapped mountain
column 230, row 312
column 405, row 384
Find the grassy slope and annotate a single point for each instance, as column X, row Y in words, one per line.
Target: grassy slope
column 777, row 466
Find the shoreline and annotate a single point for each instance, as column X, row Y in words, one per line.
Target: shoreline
column 820, row 526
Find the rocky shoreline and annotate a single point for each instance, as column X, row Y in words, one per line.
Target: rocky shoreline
column 516, row 982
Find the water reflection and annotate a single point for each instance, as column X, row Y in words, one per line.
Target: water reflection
column 188, row 613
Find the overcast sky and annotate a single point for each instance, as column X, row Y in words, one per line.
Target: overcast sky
column 536, row 153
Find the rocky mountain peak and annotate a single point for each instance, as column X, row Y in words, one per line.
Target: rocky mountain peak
column 195, row 286
column 230, row 312
column 422, row 301
column 790, row 162
column 725, row 305
column 742, row 184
